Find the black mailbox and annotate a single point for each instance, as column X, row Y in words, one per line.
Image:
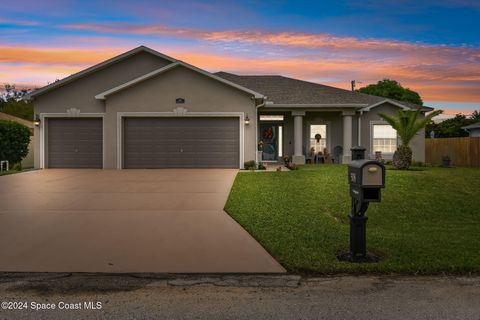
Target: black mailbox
column 366, row 177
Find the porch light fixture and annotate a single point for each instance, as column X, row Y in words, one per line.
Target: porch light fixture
column 247, row 120
column 36, row 122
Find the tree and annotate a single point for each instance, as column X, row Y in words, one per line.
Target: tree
column 14, row 140
column 11, row 102
column 392, row 89
column 475, row 115
column 452, row 127
column 407, row 124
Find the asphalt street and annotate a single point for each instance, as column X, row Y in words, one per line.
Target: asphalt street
column 88, row 296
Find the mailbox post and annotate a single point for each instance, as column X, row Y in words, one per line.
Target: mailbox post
column 366, row 178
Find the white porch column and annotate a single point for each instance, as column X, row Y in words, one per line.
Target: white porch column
column 298, row 156
column 347, row 135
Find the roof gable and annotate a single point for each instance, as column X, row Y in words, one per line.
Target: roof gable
column 392, row 102
column 105, row 94
column 97, row 67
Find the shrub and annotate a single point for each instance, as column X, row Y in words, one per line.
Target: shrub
column 262, row 166
column 418, row 164
column 292, row 166
column 249, row 165
column 14, row 140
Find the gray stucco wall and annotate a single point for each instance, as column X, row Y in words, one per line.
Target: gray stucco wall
column 201, row 94
column 371, row 117
column 80, row 94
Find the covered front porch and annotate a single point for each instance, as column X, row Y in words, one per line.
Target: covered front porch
column 317, row 136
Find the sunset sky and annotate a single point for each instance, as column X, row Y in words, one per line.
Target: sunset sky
column 432, row 47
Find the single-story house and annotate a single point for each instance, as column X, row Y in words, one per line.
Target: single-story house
column 473, row 129
column 143, row 109
column 27, row 162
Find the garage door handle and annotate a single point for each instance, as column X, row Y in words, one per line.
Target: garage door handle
column 76, row 150
column 181, row 150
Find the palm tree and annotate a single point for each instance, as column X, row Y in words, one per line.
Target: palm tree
column 407, row 124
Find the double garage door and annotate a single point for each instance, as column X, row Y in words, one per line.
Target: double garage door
column 181, row 142
column 147, row 143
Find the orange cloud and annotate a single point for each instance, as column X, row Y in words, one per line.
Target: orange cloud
column 59, row 56
column 292, row 39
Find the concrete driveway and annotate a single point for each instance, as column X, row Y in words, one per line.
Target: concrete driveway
column 124, row 221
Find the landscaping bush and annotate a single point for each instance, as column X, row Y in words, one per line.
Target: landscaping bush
column 418, row 164
column 292, row 166
column 14, row 140
column 249, row 165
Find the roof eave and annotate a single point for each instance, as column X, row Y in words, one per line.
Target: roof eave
column 472, row 126
column 270, row 104
column 368, row 108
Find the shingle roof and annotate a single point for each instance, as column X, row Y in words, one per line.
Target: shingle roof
column 283, row 90
column 472, row 126
column 26, row 123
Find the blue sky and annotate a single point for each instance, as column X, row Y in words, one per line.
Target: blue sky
column 432, row 47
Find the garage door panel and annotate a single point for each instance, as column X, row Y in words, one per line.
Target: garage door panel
column 181, row 142
column 75, row 143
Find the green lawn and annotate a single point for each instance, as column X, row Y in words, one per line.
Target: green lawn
column 4, row 173
column 428, row 221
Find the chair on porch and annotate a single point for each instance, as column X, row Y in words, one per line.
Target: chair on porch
column 310, row 156
column 337, row 154
column 327, row 156
column 319, row 158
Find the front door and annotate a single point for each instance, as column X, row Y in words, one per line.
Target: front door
column 269, row 137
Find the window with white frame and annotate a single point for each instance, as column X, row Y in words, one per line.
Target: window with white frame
column 318, row 137
column 384, row 138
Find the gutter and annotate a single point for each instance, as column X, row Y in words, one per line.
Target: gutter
column 256, row 125
column 318, row 105
column 359, row 127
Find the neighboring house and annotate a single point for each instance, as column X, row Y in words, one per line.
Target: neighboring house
column 143, row 109
column 28, row 161
column 473, row 129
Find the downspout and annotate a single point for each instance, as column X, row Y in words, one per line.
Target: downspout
column 359, row 127
column 257, row 120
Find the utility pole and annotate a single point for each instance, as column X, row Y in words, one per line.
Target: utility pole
column 354, row 84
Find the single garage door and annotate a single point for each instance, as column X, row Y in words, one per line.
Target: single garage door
column 181, row 143
column 75, row 143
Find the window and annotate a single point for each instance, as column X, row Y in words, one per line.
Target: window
column 384, row 138
column 320, row 145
